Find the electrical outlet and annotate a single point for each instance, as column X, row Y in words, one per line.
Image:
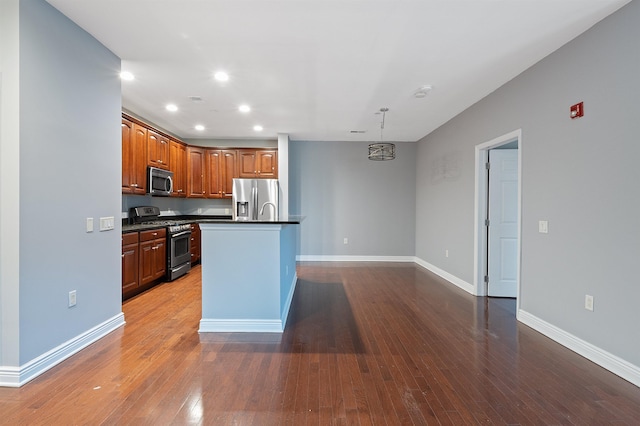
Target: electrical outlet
column 72, row 298
column 543, row 227
column 89, row 224
column 446, row 253
column 346, row 240
column 588, row 302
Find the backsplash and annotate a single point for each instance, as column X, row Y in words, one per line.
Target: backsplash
column 170, row 206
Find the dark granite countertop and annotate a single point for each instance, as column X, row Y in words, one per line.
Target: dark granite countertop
column 290, row 220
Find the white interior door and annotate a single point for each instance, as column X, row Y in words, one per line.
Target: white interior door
column 503, row 223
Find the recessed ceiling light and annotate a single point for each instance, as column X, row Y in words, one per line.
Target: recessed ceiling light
column 221, row 76
column 244, row 108
column 199, row 127
column 257, row 128
column 127, row 76
column 171, row 107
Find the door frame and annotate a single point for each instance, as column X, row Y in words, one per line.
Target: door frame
column 480, row 208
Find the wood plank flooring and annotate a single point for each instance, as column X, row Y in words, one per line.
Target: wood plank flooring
column 365, row 344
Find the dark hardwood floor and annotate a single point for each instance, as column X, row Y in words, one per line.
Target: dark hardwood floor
column 365, row 343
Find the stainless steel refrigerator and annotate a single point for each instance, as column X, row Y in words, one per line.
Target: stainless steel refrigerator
column 255, row 199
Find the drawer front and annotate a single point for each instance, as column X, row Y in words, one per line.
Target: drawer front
column 153, row 234
column 129, row 238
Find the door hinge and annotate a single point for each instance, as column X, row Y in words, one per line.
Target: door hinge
column 486, row 222
column 486, row 279
column 488, row 165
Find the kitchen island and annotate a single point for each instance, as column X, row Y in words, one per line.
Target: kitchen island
column 248, row 274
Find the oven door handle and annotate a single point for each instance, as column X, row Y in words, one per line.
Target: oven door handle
column 180, row 234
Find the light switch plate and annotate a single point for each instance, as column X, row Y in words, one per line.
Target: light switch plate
column 588, row 302
column 89, row 224
column 543, row 227
column 107, row 223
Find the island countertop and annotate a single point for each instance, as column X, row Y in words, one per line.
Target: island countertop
column 288, row 220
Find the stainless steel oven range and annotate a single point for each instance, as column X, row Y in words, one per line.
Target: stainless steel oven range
column 178, row 250
column 178, row 238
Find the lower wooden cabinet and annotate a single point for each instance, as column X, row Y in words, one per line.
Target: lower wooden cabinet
column 153, row 255
column 144, row 260
column 130, row 259
column 195, row 243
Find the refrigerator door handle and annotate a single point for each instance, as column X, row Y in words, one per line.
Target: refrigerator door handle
column 254, row 196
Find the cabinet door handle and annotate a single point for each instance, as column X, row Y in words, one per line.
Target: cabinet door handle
column 160, row 161
column 154, row 234
column 134, row 185
column 123, row 255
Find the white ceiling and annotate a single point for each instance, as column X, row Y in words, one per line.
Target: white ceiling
column 319, row 69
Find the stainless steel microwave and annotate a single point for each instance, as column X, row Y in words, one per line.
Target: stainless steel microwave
column 160, row 182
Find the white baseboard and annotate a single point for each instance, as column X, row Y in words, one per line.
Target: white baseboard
column 18, row 376
column 240, row 326
column 287, row 303
column 331, row 258
column 458, row 282
column 606, row 360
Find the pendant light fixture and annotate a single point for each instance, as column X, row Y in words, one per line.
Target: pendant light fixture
column 382, row 151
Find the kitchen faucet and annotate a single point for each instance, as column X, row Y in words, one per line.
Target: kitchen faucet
column 275, row 209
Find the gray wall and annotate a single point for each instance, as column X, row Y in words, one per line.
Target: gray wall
column 581, row 175
column 343, row 194
column 70, row 169
column 9, row 184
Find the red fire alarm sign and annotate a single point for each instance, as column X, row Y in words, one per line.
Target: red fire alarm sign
column 577, row 110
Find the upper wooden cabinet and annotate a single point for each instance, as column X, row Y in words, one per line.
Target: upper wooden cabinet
column 221, row 168
column 267, row 163
column 134, row 150
column 178, row 161
column 257, row 163
column 197, row 172
column 196, row 182
column 157, row 150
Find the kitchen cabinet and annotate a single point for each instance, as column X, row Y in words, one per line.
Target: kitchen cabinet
column 198, row 172
column 130, row 259
column 153, row 255
column 195, row 243
column 221, row 168
column 134, row 148
column 258, row 163
column 157, row 150
column 178, row 161
column 195, row 172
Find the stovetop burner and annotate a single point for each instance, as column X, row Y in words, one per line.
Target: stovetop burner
column 159, row 222
column 149, row 215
